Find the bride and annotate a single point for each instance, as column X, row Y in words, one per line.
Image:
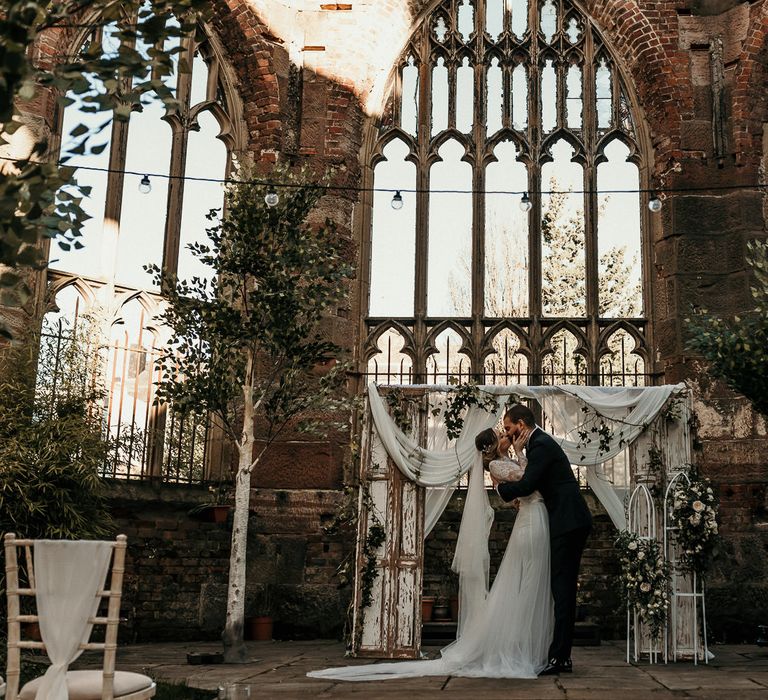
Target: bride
column 509, row 633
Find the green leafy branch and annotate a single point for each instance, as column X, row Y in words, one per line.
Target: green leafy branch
column 459, row 400
column 736, row 348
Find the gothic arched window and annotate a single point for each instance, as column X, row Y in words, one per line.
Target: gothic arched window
column 493, row 97
column 131, row 227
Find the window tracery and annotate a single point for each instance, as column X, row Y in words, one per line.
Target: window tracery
column 492, row 97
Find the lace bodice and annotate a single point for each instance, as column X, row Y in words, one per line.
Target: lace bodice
column 507, row 469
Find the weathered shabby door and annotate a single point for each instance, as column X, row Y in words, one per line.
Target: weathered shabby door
column 387, row 605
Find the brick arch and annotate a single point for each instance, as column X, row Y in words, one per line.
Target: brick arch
column 657, row 68
column 648, row 53
column 250, row 52
column 750, row 97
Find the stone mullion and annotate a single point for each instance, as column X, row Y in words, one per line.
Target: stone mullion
column 172, row 234
column 478, row 203
column 591, row 267
column 561, row 69
column 179, row 141
column 113, row 203
column 422, row 210
column 397, row 94
column 534, row 216
column 452, row 65
column 506, row 92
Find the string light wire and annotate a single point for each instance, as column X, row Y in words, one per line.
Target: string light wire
column 354, row 188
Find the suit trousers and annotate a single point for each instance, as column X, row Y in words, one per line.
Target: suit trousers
column 565, row 554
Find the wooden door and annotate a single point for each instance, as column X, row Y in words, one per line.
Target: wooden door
column 389, row 578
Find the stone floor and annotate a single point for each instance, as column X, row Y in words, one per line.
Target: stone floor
column 277, row 670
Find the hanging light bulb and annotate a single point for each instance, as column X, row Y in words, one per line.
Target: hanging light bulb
column 654, row 203
column 145, row 186
column 525, row 203
column 397, row 201
column 271, row 199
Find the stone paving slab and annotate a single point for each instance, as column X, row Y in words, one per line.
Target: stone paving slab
column 278, row 670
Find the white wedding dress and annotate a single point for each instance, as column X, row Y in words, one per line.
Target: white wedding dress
column 509, row 634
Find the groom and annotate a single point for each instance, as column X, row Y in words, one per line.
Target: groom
column 549, row 472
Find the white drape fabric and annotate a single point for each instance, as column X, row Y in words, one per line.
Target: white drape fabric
column 626, row 413
column 68, row 576
column 429, row 467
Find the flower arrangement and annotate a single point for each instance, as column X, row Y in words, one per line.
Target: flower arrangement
column 644, row 579
column 693, row 512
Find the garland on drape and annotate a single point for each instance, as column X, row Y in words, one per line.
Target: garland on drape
column 618, row 415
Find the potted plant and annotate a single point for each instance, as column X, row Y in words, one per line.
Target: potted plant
column 258, row 627
column 217, row 509
column 427, row 606
column 447, row 601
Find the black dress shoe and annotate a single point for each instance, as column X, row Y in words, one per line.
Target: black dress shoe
column 555, row 667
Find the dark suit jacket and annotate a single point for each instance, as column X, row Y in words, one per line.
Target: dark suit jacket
column 549, row 472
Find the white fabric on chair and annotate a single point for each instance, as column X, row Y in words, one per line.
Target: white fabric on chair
column 69, row 574
column 86, row 685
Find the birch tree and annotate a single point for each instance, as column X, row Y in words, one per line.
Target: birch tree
column 247, row 347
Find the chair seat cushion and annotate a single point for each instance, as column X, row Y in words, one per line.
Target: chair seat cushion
column 86, row 685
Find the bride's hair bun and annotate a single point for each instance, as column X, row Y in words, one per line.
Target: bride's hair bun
column 485, row 439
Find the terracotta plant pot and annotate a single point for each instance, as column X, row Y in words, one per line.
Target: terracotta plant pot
column 259, row 629
column 217, row 513
column 427, row 603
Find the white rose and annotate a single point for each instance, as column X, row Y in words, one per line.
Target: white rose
column 645, row 587
column 641, row 555
column 632, row 545
column 698, row 506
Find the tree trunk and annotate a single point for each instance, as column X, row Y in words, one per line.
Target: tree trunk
column 234, row 647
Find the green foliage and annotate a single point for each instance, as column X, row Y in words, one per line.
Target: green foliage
column 737, row 348
column 694, row 515
column 644, row 579
column 563, row 275
column 42, row 199
column 51, row 442
column 401, row 408
column 461, row 398
column 254, row 331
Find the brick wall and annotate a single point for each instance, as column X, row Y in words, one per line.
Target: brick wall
column 177, row 564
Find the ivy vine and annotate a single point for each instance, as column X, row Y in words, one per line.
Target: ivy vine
column 401, row 408
column 461, row 398
column 373, row 540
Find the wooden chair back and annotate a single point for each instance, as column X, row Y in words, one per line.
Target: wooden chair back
column 20, row 583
